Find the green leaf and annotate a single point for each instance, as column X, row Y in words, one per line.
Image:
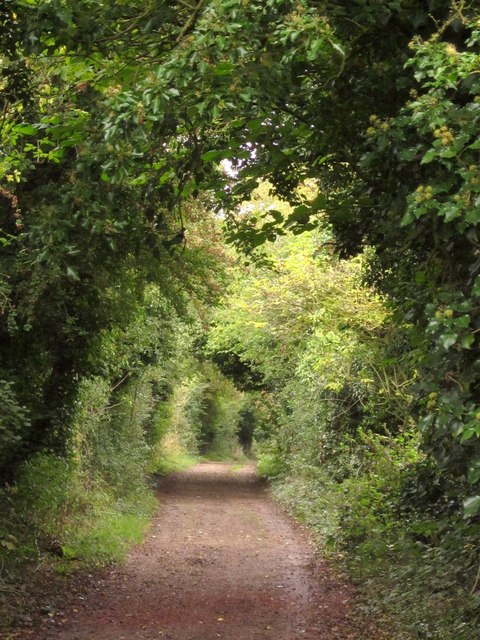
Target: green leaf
column 257, row 239
column 474, row 471
column 429, row 156
column 467, row 340
column 72, row 273
column 468, row 434
column 276, row 215
column 165, row 177
column 448, row 339
column 448, row 153
column 224, row 69
column 26, row 129
column 476, row 287
column 201, row 106
column 471, row 506
column 322, row 160
column 255, row 125
column 451, row 212
column 462, row 322
column 215, row 155
column 407, row 219
column 473, row 216
column 408, row 154
column 300, row 215
column 339, row 49
column 319, row 202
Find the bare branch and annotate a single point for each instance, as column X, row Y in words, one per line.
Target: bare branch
column 186, row 4
column 130, row 27
column 190, row 24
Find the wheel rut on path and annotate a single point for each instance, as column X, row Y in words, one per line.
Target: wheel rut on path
column 221, row 560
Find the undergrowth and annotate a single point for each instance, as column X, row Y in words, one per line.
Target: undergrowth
column 89, row 504
column 413, row 574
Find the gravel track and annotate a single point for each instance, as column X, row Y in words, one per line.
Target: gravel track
column 221, row 560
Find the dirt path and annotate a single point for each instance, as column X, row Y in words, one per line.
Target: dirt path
column 221, row 561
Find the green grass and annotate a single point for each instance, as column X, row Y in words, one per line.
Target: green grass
column 238, row 467
column 54, row 507
column 170, row 462
column 108, row 536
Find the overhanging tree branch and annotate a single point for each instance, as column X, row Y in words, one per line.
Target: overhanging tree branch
column 190, row 24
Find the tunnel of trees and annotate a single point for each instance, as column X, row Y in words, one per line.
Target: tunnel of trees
column 246, row 223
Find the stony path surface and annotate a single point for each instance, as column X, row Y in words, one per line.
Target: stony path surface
column 221, row 560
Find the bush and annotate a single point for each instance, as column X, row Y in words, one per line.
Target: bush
column 14, row 423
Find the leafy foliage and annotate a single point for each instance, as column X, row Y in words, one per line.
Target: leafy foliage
column 125, row 126
column 341, row 443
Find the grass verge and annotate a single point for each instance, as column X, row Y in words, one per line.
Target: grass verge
column 170, row 462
